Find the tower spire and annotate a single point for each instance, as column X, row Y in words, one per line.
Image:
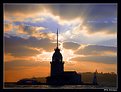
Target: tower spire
column 57, row 38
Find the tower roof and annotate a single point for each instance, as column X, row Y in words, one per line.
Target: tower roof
column 57, row 54
column 57, row 49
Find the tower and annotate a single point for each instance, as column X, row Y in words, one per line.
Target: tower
column 57, row 64
column 95, row 78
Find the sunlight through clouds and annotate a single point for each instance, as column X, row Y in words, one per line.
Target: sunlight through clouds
column 87, row 37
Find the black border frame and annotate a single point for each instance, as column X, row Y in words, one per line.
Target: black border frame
column 47, row 1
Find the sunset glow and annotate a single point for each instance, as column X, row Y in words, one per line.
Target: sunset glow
column 87, row 38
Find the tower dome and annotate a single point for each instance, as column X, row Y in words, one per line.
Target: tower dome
column 57, row 56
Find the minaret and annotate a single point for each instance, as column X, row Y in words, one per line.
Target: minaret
column 95, row 78
column 57, row 64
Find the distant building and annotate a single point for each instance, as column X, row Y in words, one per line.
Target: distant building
column 27, row 82
column 58, row 75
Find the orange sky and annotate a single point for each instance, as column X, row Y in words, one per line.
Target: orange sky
column 44, row 71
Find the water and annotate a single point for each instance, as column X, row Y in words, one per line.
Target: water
column 57, row 87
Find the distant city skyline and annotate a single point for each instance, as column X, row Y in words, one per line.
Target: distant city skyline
column 87, row 38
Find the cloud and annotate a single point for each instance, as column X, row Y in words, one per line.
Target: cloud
column 64, row 10
column 108, row 27
column 96, row 50
column 102, row 59
column 7, row 27
column 34, row 31
column 22, row 9
column 102, row 18
column 25, row 30
column 90, row 11
column 110, row 42
column 80, row 33
column 17, row 64
column 73, row 26
column 23, row 47
column 96, row 53
column 71, row 45
column 17, row 47
column 8, row 57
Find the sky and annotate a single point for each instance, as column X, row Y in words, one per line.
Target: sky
column 87, row 38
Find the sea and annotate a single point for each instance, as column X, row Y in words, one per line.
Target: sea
column 59, row 87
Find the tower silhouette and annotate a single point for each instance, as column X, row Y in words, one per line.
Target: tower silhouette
column 57, row 64
column 95, row 78
column 58, row 76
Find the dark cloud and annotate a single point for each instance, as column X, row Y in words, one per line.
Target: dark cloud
column 42, row 43
column 22, row 8
column 103, row 11
column 70, row 45
column 89, row 12
column 103, row 15
column 95, row 49
column 23, row 51
column 19, row 64
column 98, row 26
column 102, row 18
column 86, row 11
column 65, row 10
column 20, row 47
column 17, row 47
column 101, row 59
column 110, row 42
